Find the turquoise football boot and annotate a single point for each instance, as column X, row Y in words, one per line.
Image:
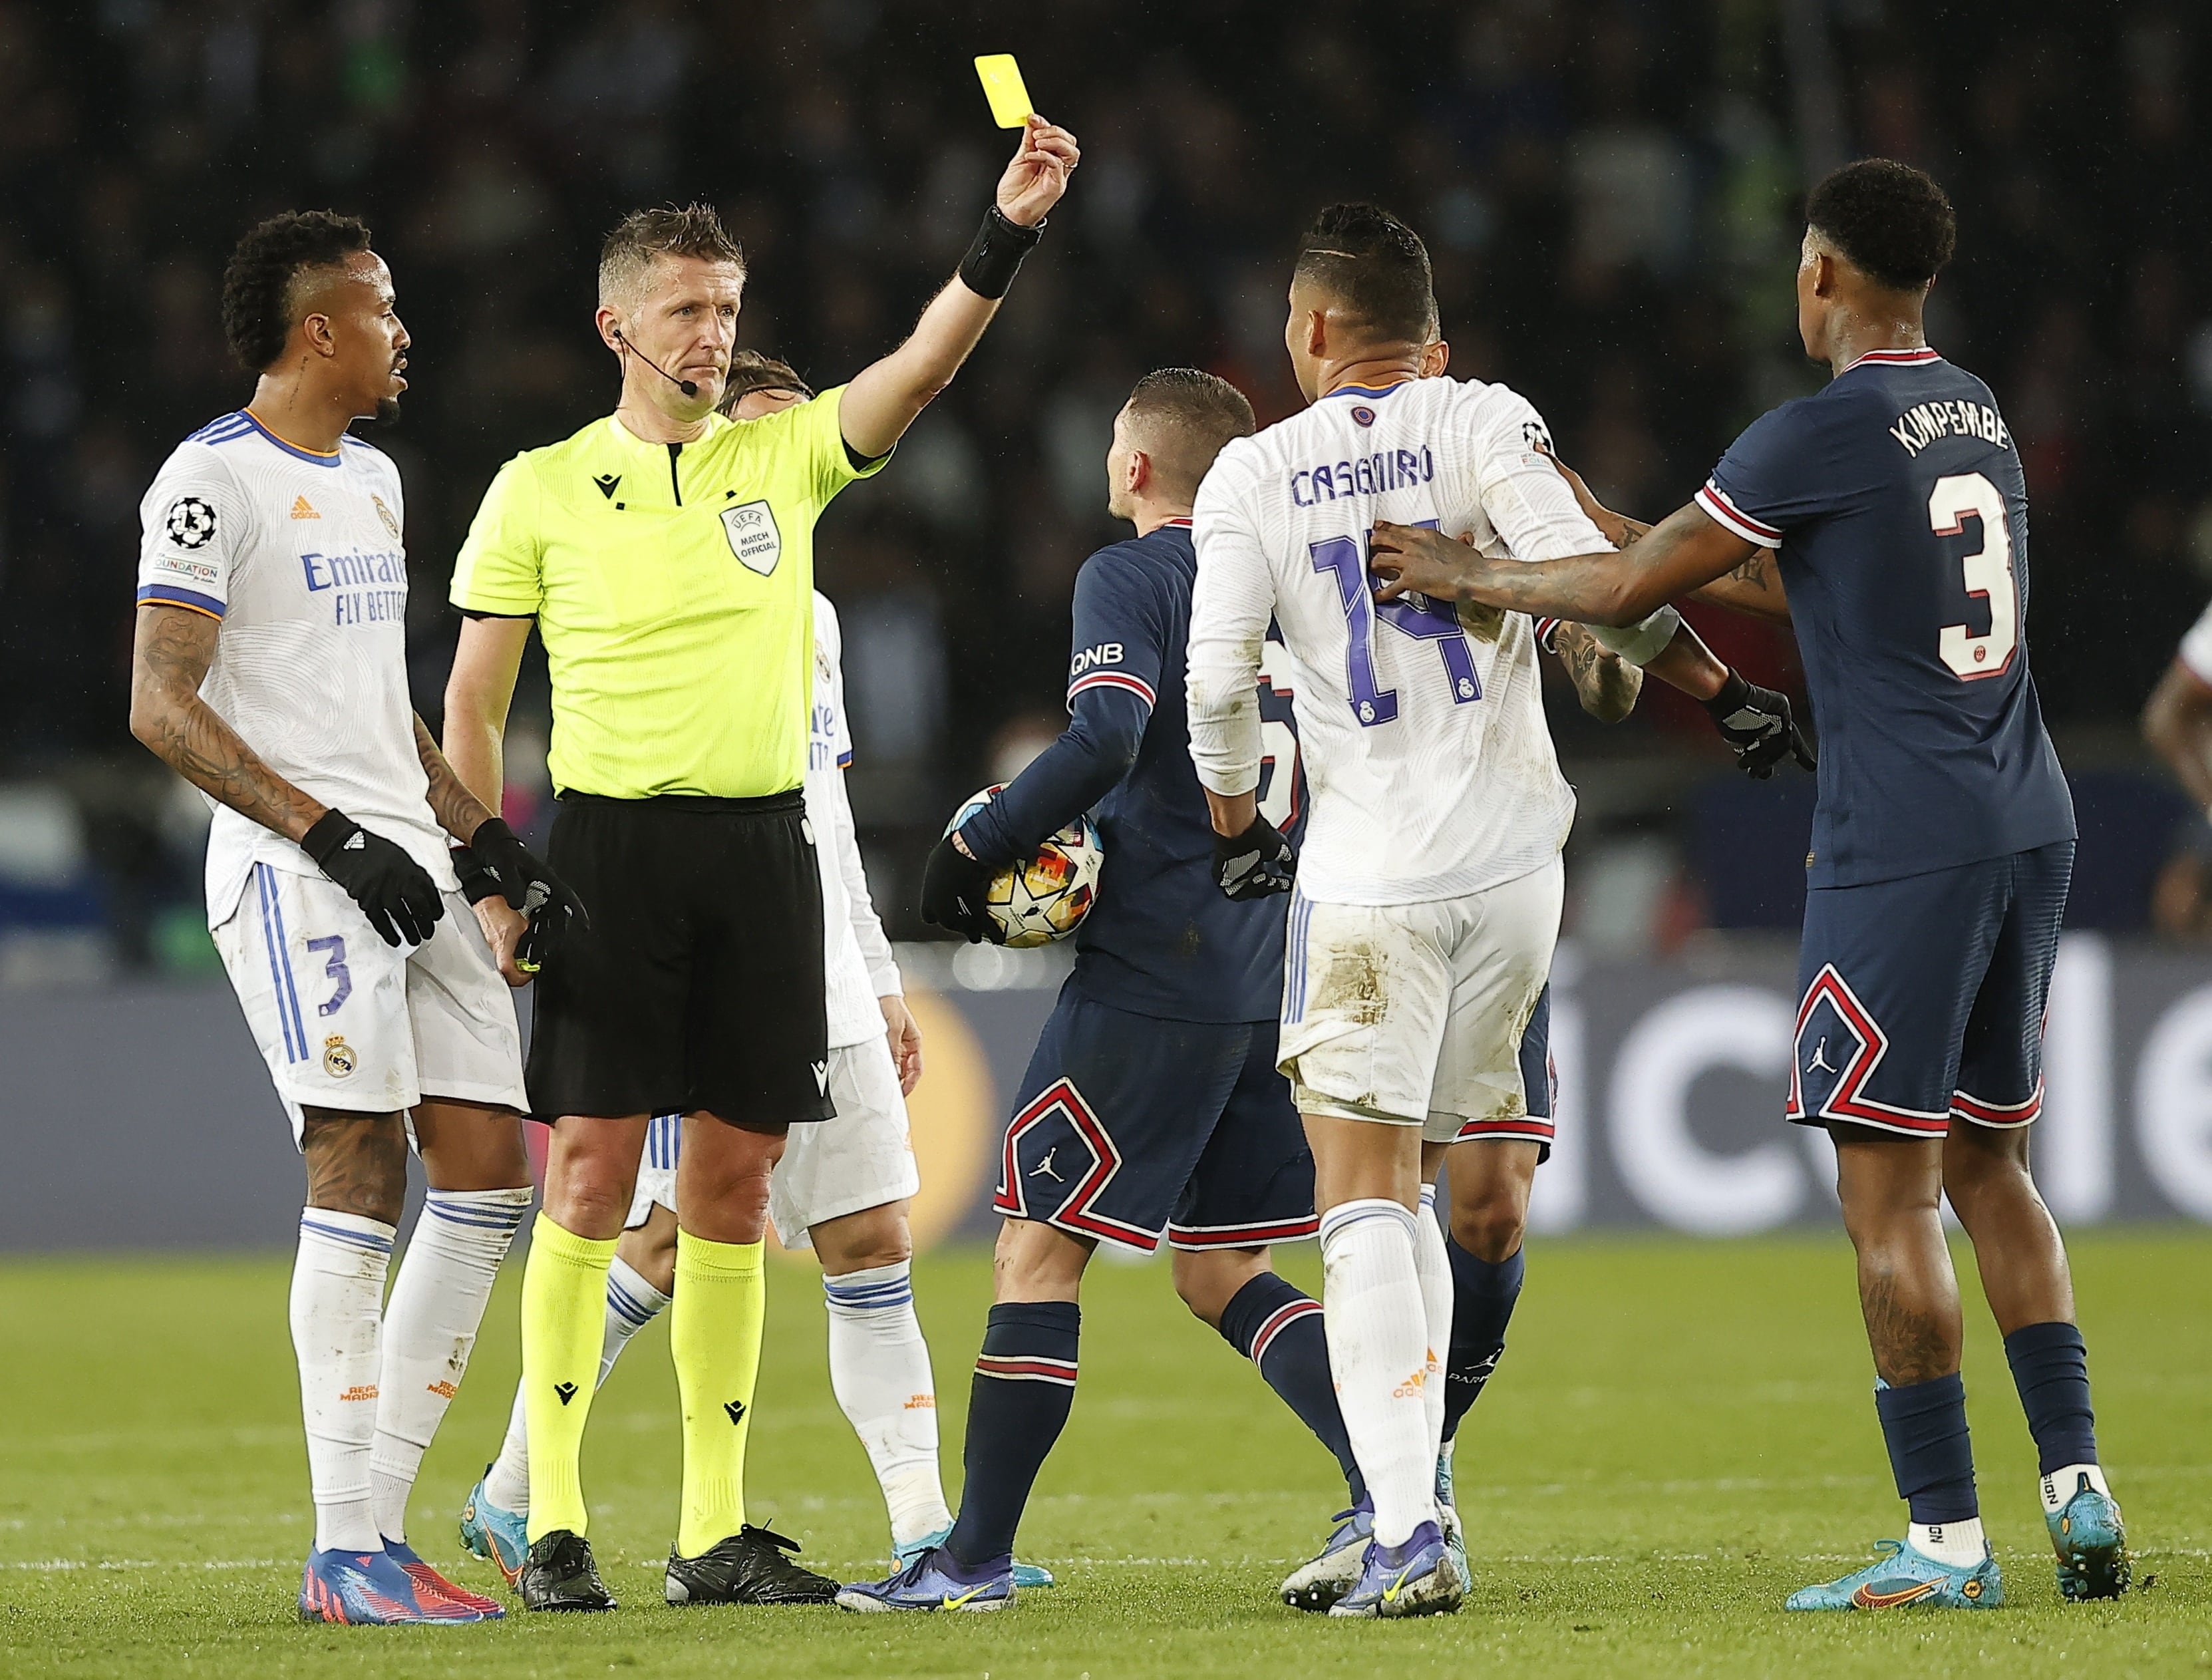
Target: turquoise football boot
column 2092, row 1543
column 1027, row 1577
column 501, row 1538
column 1454, row 1531
column 1899, row 1576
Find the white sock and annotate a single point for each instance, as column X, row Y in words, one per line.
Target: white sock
column 1433, row 1266
column 1960, row 1544
column 1378, row 1328
column 338, row 1315
column 632, row 1304
column 2062, row 1485
column 430, row 1328
column 880, row 1372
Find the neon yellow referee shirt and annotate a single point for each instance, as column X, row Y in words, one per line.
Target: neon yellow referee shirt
column 673, row 589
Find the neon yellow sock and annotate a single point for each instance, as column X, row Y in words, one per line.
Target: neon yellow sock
column 564, row 1316
column 714, row 1333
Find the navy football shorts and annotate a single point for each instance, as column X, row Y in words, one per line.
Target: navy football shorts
column 1540, row 1089
column 1128, row 1126
column 1923, row 997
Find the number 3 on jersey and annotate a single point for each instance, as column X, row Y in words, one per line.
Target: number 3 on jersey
column 1428, row 621
column 1988, row 572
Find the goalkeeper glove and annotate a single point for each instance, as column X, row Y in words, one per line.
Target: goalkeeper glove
column 394, row 892
column 1253, row 864
column 1758, row 725
column 527, row 886
column 954, row 893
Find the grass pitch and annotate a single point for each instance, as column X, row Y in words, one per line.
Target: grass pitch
column 1680, row 1434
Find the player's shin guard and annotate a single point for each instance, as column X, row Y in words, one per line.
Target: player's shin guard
column 714, row 1334
column 563, row 1291
column 337, row 1314
column 632, row 1304
column 1378, row 1328
column 880, row 1372
column 1925, row 1427
column 1483, row 1295
column 1434, row 1269
column 1277, row 1326
column 1023, row 1387
column 2050, row 1367
column 430, row 1329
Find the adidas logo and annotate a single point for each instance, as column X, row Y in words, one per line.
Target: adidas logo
column 566, row 1390
column 736, row 1409
column 355, row 842
column 303, row 509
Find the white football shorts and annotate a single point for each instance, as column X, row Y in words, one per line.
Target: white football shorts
column 1412, row 1014
column 861, row 1158
column 346, row 1021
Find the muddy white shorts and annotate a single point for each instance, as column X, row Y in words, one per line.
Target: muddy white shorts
column 861, row 1158
column 345, row 1022
column 1412, row 1014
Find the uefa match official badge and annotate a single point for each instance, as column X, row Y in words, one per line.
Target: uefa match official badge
column 338, row 1059
column 754, row 539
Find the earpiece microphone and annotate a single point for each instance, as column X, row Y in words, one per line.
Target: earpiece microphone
column 689, row 387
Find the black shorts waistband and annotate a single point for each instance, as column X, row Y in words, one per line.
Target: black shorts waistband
column 765, row 805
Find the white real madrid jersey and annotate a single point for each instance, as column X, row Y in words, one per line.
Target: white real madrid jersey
column 857, row 959
column 1422, row 727
column 299, row 555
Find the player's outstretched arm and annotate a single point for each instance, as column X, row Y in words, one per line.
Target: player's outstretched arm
column 170, row 655
column 1616, row 587
column 2177, row 722
column 885, row 398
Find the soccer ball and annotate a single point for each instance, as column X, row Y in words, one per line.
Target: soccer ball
column 1047, row 898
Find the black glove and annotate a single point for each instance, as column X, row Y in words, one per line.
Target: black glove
column 476, row 879
column 1759, row 725
column 527, row 886
column 1255, row 863
column 394, row 892
column 953, row 889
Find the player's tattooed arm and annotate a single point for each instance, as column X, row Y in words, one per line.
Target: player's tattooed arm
column 1754, row 589
column 169, row 660
column 1606, row 684
column 459, row 812
column 1618, row 588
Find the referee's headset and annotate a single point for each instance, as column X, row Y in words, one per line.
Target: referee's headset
column 689, row 387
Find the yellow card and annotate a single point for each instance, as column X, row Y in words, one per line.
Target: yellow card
column 1002, row 85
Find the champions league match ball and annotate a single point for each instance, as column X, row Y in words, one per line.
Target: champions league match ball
column 1047, row 898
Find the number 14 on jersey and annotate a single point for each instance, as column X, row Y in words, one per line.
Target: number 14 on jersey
column 1414, row 616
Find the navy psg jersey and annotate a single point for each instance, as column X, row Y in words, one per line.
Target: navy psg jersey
column 1161, row 939
column 1896, row 499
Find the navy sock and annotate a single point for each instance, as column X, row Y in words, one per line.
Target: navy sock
column 2051, row 1368
column 1483, row 1294
column 1925, row 1426
column 1277, row 1325
column 1018, row 1401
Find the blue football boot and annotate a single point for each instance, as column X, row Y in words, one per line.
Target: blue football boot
column 368, row 1589
column 932, row 1581
column 1898, row 1576
column 501, row 1538
column 1415, row 1579
column 1320, row 1581
column 1027, row 1577
column 2092, row 1543
column 1447, row 1513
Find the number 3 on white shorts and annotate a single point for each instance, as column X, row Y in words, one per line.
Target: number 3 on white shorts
column 1988, row 572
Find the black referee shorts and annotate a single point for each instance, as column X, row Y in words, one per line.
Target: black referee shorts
column 698, row 985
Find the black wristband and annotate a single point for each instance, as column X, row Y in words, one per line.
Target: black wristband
column 995, row 258
column 331, row 829
column 478, row 882
column 1734, row 692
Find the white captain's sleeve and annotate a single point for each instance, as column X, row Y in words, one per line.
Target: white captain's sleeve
column 191, row 526
column 1231, row 605
column 843, row 838
column 1533, row 508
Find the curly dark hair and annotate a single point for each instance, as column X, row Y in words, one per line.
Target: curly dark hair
column 258, row 282
column 1890, row 219
column 1375, row 265
column 750, row 371
column 1185, row 415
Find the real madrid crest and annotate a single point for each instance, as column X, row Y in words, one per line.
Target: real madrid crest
column 391, row 520
column 338, row 1059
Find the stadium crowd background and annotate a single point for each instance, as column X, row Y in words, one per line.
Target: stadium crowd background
column 1608, row 189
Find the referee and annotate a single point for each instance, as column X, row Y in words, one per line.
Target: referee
column 665, row 555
